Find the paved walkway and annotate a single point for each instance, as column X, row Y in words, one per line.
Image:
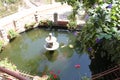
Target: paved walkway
column 44, row 12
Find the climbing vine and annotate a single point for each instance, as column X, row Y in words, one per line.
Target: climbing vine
column 101, row 33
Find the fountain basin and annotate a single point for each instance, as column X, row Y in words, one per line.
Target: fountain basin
column 52, row 43
column 54, row 47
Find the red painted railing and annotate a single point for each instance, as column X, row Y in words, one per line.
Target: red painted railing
column 12, row 73
column 111, row 70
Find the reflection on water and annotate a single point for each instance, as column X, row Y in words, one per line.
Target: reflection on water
column 104, row 64
column 51, row 55
column 27, row 52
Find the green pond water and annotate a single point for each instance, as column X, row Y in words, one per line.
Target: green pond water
column 27, row 52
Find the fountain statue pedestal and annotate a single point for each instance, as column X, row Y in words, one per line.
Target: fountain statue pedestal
column 52, row 43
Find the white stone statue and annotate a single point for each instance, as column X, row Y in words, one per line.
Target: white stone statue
column 51, row 42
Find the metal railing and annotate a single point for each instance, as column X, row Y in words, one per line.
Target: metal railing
column 106, row 72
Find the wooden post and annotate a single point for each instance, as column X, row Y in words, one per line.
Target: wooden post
column 14, row 23
column 36, row 17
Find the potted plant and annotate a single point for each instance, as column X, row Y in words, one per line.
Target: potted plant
column 29, row 26
column 47, row 23
column 12, row 34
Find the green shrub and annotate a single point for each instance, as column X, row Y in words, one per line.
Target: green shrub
column 5, row 63
column 29, row 25
column 12, row 34
column 72, row 25
column 101, row 34
column 46, row 23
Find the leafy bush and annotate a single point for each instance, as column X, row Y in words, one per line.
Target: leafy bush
column 101, row 33
column 29, row 25
column 5, row 63
column 72, row 25
column 12, row 34
column 46, row 23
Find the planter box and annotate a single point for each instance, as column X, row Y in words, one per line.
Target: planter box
column 62, row 23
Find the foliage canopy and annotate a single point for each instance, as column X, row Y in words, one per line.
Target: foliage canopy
column 101, row 34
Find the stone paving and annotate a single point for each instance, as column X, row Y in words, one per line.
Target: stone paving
column 44, row 12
